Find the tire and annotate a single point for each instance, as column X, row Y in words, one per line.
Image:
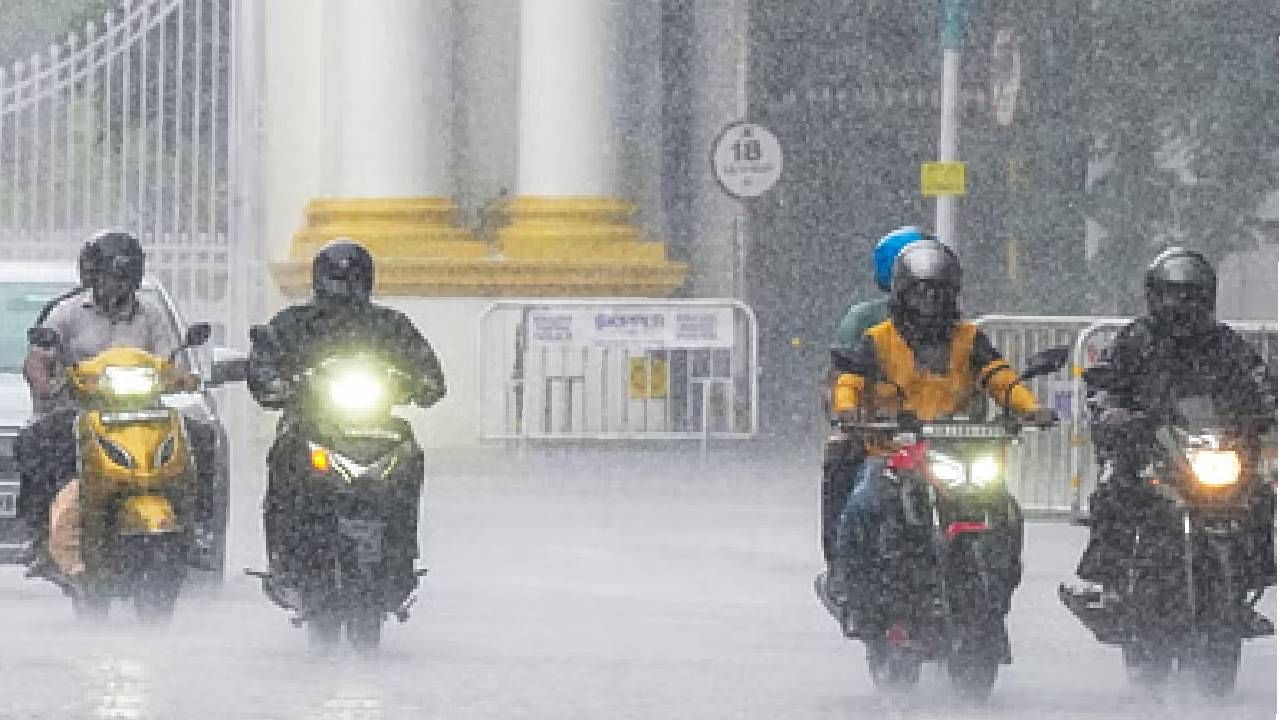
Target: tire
column 161, row 569
column 973, row 676
column 323, row 633
column 892, row 669
column 364, row 632
column 89, row 605
column 1148, row 665
column 1216, row 668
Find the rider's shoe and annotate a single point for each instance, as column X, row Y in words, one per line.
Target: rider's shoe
column 1255, row 624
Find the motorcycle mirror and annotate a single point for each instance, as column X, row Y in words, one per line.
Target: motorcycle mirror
column 198, row 334
column 1046, row 361
column 43, row 337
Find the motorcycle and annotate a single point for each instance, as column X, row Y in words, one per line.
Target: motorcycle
column 1182, row 598
column 133, row 503
column 355, row 475
column 948, row 543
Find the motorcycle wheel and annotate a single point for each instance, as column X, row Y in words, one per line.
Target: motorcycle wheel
column 90, row 606
column 892, row 668
column 973, row 675
column 1215, row 670
column 364, row 631
column 324, row 632
column 156, row 589
column 1148, row 665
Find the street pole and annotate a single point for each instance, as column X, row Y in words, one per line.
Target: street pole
column 952, row 41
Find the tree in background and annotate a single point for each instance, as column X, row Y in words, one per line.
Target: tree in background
column 1181, row 103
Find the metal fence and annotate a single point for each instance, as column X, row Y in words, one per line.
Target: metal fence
column 130, row 123
column 619, row 369
column 1053, row 470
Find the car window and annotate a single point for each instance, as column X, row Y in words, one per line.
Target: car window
column 20, row 303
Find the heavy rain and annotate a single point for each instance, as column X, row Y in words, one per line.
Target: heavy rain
column 638, row 358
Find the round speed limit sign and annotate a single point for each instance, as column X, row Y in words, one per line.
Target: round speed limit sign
column 747, row 159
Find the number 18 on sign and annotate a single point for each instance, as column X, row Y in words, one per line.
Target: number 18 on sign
column 747, row 159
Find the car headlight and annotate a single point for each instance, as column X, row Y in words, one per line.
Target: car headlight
column 1215, row 468
column 356, row 390
column 133, row 381
column 984, row 470
column 946, row 469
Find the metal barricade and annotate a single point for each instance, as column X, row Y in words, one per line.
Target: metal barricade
column 619, row 370
column 1053, row 471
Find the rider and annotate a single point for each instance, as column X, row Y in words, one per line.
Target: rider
column 841, row 457
column 340, row 312
column 1178, row 349
column 111, row 315
column 938, row 361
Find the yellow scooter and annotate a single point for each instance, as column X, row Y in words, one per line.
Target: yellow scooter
column 123, row 527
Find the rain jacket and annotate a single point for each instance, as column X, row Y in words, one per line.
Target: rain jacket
column 940, row 383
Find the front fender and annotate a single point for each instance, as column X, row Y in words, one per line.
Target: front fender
column 146, row 515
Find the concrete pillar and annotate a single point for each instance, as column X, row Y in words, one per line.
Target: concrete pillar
column 568, row 210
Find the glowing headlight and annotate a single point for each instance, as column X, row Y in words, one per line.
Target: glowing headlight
column 130, row 380
column 1216, row 468
column 984, row 471
column 946, row 469
column 356, row 390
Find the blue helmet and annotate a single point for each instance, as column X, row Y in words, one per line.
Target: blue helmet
column 887, row 250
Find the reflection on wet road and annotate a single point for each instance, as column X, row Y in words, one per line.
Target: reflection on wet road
column 636, row 594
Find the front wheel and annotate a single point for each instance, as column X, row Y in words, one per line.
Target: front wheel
column 323, row 632
column 1148, row 665
column 973, row 675
column 364, row 631
column 893, row 669
column 1216, row 668
column 161, row 571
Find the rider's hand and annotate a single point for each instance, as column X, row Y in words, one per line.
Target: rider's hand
column 1041, row 417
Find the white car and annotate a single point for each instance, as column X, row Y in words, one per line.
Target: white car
column 25, row 287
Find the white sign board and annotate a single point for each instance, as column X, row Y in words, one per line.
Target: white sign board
column 639, row 326
column 747, row 159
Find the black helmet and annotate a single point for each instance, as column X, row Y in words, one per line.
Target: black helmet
column 342, row 272
column 924, row 294
column 1182, row 291
column 88, row 262
column 117, row 272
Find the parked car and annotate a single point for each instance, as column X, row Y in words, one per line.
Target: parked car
column 25, row 287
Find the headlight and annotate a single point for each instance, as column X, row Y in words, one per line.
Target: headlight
column 1216, row 468
column 984, row 470
column 130, row 380
column 946, row 469
column 356, row 390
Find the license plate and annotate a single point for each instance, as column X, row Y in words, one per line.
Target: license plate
column 366, row 535
column 8, row 504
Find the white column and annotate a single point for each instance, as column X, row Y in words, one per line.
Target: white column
column 568, row 143
column 393, row 62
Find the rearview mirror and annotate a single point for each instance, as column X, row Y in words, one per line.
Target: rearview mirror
column 229, row 366
column 43, row 337
column 1045, row 362
column 197, row 335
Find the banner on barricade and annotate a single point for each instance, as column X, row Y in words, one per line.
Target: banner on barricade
column 636, row 326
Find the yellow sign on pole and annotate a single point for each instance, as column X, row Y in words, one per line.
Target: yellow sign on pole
column 648, row 378
column 942, row 178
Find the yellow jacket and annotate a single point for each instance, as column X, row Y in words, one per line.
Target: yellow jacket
column 883, row 360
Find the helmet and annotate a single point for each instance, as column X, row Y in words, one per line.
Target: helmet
column 1182, row 291
column 117, row 272
column 88, row 261
column 886, row 251
column 925, row 291
column 342, row 272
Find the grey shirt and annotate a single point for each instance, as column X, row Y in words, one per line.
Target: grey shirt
column 86, row 330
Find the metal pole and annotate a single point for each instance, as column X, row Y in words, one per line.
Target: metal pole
column 952, row 40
